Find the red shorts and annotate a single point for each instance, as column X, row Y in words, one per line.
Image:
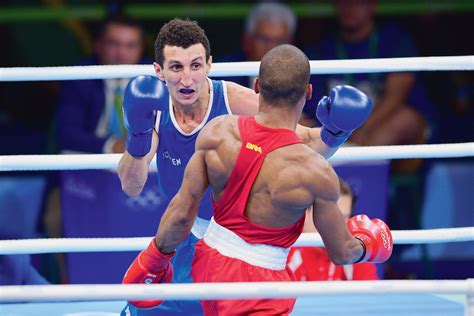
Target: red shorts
column 211, row 266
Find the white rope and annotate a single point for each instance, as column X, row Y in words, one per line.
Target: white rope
column 110, row 161
column 237, row 290
column 242, row 68
column 406, row 237
column 64, row 245
column 404, row 152
column 61, row 162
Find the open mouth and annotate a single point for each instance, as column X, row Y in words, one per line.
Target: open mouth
column 186, row 92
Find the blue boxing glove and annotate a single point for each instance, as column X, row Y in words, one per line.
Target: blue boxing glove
column 143, row 96
column 341, row 113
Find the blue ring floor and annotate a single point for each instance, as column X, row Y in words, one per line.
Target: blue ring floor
column 334, row 305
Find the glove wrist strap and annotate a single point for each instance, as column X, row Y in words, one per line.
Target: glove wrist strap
column 138, row 145
column 364, row 250
column 334, row 139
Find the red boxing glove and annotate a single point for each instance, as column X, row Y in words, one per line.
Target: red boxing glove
column 374, row 235
column 150, row 266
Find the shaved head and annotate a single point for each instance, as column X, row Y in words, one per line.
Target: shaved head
column 284, row 75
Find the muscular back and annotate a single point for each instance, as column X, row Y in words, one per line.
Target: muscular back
column 291, row 177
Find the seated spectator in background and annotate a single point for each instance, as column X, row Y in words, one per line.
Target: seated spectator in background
column 90, row 111
column 313, row 263
column 401, row 108
column 17, row 270
column 268, row 25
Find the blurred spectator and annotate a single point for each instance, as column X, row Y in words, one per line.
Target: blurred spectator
column 90, row 111
column 23, row 127
column 268, row 24
column 20, row 197
column 454, row 95
column 17, row 270
column 401, row 110
column 313, row 263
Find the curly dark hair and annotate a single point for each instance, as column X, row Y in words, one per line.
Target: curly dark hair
column 180, row 33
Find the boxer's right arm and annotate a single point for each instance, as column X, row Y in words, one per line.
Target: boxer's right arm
column 144, row 96
column 133, row 172
column 340, row 114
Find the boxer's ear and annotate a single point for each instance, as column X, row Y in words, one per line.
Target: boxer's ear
column 209, row 65
column 256, row 85
column 158, row 71
column 309, row 91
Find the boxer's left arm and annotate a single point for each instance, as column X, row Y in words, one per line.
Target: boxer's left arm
column 321, row 180
column 244, row 101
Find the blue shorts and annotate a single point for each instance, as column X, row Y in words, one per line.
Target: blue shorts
column 181, row 261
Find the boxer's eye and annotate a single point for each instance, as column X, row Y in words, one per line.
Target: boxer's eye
column 176, row 67
column 195, row 66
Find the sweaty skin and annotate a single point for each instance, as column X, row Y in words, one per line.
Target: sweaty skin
column 277, row 199
column 185, row 72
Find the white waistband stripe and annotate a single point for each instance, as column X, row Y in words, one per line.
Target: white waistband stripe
column 231, row 245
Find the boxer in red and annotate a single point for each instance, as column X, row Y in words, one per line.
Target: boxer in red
column 262, row 178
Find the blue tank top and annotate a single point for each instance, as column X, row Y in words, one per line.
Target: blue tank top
column 175, row 147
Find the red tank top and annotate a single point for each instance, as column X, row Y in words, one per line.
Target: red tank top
column 257, row 141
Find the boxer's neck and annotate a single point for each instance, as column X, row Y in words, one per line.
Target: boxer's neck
column 277, row 117
column 191, row 116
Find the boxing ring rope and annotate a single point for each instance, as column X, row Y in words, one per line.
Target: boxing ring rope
column 68, row 293
column 234, row 290
column 110, row 161
column 242, row 68
column 64, row 245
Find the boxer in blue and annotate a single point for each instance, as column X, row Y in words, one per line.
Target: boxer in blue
column 164, row 115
